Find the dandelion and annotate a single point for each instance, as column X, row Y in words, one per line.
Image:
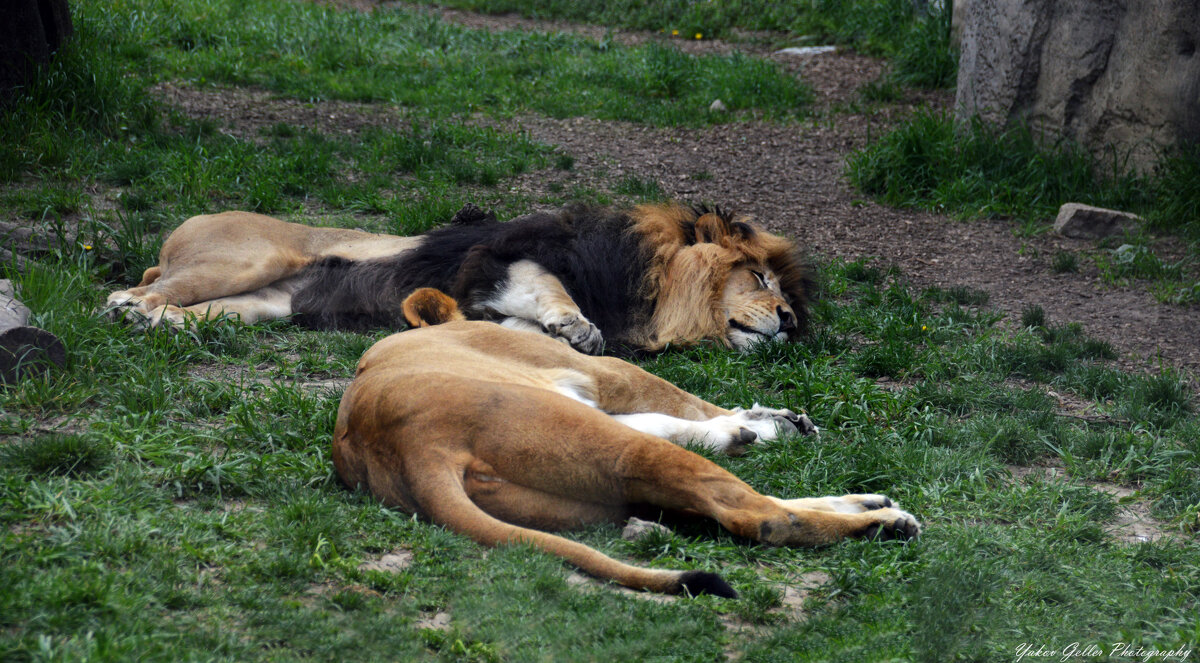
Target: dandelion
column 923, row 327
column 698, row 35
column 87, row 247
column 674, row 33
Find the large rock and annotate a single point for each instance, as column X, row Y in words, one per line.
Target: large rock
column 29, row 32
column 1081, row 221
column 1120, row 74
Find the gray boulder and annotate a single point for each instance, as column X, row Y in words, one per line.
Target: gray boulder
column 1110, row 74
column 1080, row 221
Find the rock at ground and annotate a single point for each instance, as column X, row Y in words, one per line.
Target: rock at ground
column 1080, row 221
column 637, row 529
column 1121, row 77
column 717, row 106
column 393, row 562
column 804, row 51
column 439, row 621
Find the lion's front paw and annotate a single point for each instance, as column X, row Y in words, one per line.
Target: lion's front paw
column 577, row 331
column 770, row 423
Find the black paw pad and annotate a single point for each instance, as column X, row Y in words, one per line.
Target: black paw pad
column 898, row 530
column 871, row 505
column 745, row 436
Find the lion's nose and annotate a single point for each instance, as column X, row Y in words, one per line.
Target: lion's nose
column 787, row 319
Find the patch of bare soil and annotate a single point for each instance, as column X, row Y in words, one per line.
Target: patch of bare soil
column 1133, row 522
column 394, row 562
column 792, row 178
column 249, row 113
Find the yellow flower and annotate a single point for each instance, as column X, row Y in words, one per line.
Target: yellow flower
column 87, row 247
column 674, row 33
column 698, row 35
column 923, row 327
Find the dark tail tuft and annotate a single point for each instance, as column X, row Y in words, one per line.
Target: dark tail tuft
column 703, row 582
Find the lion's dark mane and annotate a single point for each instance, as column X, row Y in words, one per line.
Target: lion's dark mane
column 591, row 250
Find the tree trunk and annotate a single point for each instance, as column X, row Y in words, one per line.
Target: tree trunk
column 30, row 31
column 23, row 349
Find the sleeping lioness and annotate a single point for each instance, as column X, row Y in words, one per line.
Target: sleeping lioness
column 503, row 435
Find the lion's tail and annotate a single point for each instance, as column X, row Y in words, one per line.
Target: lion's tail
column 452, row 507
column 426, row 307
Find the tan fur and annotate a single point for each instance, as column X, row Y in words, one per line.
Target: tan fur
column 239, row 263
column 244, row 265
column 688, row 281
column 466, row 423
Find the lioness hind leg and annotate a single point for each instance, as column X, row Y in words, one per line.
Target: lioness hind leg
column 840, row 503
column 683, row 481
column 530, row 507
column 120, row 302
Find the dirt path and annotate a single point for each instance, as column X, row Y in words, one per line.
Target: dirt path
column 791, row 178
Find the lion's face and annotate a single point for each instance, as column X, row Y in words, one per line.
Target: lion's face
column 755, row 307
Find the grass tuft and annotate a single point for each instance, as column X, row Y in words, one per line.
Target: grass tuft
column 58, row 455
column 1033, row 316
column 975, row 170
column 1064, row 262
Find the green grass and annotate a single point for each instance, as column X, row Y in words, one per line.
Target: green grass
column 416, row 61
column 90, row 122
column 920, row 44
column 978, row 171
column 170, row 496
column 187, row 508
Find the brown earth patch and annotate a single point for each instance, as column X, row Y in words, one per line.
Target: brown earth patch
column 1133, row 522
column 394, row 562
column 248, row 113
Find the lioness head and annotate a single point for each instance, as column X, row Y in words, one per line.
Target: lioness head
column 755, row 307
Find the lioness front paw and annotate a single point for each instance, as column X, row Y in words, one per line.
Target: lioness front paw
column 892, row 524
column 576, row 330
column 870, row 502
column 770, row 423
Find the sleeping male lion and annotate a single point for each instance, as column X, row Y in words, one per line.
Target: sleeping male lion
column 502, row 434
column 640, row 280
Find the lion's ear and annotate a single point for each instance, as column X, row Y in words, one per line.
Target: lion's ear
column 426, row 307
column 711, row 228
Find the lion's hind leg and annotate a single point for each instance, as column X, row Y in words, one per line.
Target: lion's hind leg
column 269, row 303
